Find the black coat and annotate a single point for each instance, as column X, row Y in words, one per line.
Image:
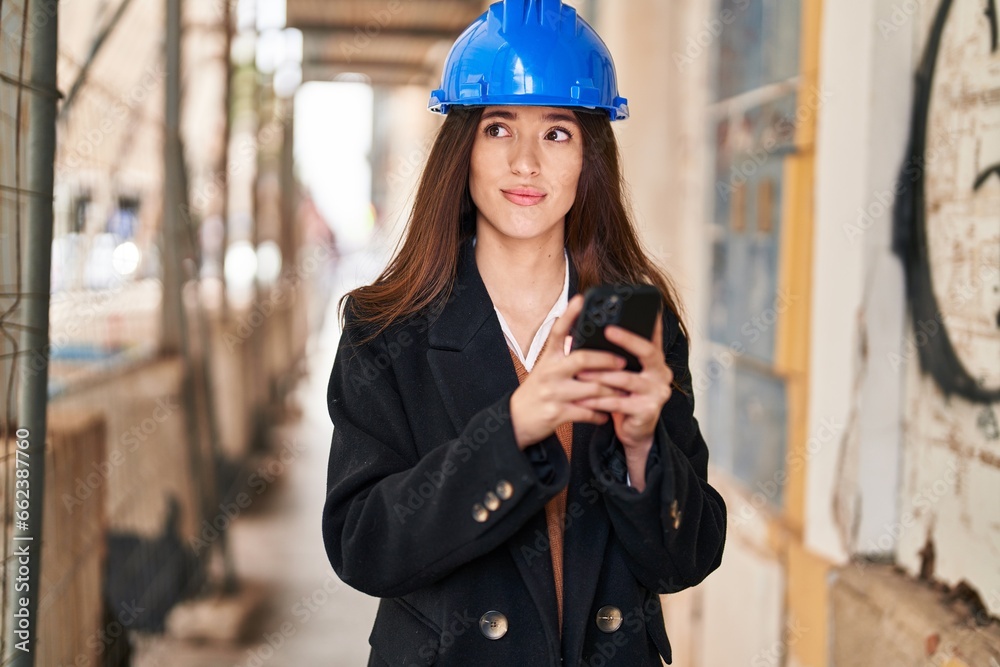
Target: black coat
column 422, row 433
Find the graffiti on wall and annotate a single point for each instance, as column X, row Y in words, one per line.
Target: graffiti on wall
column 946, row 220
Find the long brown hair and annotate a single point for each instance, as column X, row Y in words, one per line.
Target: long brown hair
column 599, row 233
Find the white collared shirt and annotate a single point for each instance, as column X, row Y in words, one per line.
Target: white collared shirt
column 558, row 308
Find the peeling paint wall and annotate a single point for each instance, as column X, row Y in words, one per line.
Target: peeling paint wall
column 949, row 527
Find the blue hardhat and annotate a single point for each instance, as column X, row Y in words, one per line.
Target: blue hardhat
column 530, row 52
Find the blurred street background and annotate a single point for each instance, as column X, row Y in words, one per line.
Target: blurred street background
column 188, row 186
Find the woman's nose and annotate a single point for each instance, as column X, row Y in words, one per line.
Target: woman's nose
column 524, row 158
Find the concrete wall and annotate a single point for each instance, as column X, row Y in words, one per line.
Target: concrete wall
column 881, row 618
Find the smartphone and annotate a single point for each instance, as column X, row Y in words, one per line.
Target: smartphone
column 633, row 307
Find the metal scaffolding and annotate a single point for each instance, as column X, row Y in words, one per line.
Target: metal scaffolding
column 24, row 564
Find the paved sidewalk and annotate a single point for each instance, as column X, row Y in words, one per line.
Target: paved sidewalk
column 312, row 619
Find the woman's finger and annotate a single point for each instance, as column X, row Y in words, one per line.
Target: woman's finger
column 632, row 405
column 577, row 413
column 625, row 380
column 555, row 344
column 643, row 348
column 575, row 391
column 582, row 360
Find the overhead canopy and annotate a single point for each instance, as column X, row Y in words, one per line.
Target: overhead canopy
column 388, row 41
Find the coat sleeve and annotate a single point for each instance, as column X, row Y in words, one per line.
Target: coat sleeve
column 393, row 521
column 674, row 531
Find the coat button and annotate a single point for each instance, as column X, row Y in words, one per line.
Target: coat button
column 480, row 513
column 505, row 489
column 491, row 501
column 493, row 625
column 609, row 618
column 675, row 514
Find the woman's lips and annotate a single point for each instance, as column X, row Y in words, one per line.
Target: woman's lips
column 523, row 197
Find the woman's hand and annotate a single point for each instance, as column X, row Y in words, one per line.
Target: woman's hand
column 639, row 396
column 552, row 393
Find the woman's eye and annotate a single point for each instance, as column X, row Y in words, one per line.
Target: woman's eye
column 496, row 131
column 559, row 134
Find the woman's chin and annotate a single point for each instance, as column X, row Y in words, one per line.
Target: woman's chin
column 521, row 230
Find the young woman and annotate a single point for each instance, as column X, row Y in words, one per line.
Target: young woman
column 511, row 501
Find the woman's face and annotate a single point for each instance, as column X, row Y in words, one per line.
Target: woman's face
column 524, row 170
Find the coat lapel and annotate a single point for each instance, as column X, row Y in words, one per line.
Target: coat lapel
column 471, row 365
column 468, row 353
